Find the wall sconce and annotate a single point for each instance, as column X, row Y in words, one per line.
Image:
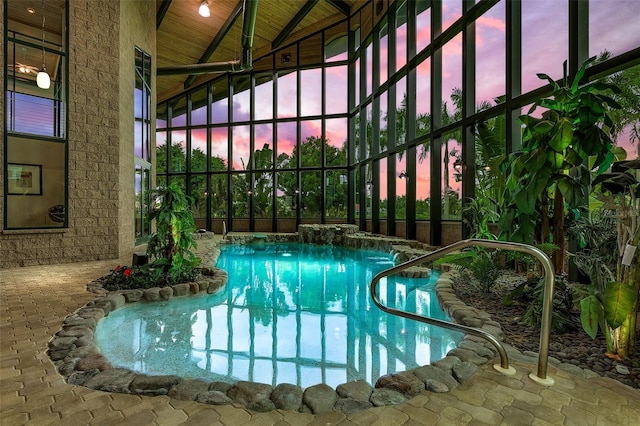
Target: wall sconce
column 403, row 175
column 204, row 10
column 458, row 165
column 249, row 193
column 369, row 184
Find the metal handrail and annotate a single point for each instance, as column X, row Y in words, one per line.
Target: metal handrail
column 545, row 330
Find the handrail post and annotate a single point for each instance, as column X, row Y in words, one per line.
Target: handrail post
column 547, row 303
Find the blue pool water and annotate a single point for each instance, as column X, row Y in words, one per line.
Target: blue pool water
column 290, row 313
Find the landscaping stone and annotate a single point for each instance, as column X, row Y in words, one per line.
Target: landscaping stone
column 213, row 397
column 320, row 398
column 286, row 396
column 151, row 294
column 220, row 386
column 180, row 289
column 350, row 405
column 153, row 385
column 434, row 373
column 435, row 386
column 188, row 389
column 116, row 380
column 406, row 383
column 382, row 397
column 249, row 392
column 359, row 389
column 463, row 371
column 166, row 293
column 93, row 362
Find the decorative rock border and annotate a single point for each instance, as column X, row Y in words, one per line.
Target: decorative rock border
column 77, row 357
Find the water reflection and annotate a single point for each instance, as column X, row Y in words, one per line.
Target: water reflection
column 290, row 313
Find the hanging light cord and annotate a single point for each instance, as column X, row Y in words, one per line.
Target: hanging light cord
column 43, row 40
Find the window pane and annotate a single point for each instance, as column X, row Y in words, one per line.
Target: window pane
column 199, row 150
column 161, row 152
column 336, row 190
column 423, row 24
column 336, row 142
column 545, row 37
column 241, row 98
column 287, row 194
column 401, row 36
column 287, row 94
column 613, row 26
column 451, row 12
column 311, row 194
column 263, row 195
column 240, row 191
column 336, row 43
column 383, row 123
column 264, row 97
column 161, row 116
column 401, row 185
column 401, row 113
column 263, row 151
column 490, row 57
column 240, row 137
column 219, row 196
column 178, row 159
column 219, row 149
column 369, row 70
column 452, row 80
column 451, row 182
column 311, row 92
column 336, row 90
column 384, row 54
column 220, row 105
column 383, row 188
column 423, row 98
column 310, row 143
column 423, row 181
column 35, row 185
column 199, row 107
column 179, row 112
column 287, row 137
column 198, row 191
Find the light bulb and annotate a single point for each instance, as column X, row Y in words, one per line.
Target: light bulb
column 43, row 80
column 23, row 69
column 203, row 10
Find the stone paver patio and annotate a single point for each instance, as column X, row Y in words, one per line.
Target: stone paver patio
column 34, row 302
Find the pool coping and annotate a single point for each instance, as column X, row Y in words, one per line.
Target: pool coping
column 78, row 359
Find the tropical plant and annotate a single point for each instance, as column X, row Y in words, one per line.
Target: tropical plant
column 170, row 246
column 559, row 152
column 612, row 303
column 532, row 294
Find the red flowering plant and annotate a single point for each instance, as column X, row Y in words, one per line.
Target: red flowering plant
column 169, row 247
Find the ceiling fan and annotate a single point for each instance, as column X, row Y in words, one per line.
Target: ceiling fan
column 25, row 69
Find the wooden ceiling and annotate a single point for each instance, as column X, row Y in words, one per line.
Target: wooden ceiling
column 185, row 38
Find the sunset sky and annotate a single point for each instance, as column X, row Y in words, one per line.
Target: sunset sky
column 613, row 25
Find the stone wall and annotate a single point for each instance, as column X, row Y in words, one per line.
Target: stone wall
column 100, row 143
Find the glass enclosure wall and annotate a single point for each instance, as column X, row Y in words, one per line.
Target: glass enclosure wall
column 142, row 144
column 35, row 141
column 395, row 119
column 266, row 150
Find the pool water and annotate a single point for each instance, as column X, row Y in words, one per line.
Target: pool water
column 290, row 313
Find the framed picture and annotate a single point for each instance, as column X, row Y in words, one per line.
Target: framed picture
column 24, row 179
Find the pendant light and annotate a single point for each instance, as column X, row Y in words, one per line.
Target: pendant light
column 42, row 79
column 203, row 10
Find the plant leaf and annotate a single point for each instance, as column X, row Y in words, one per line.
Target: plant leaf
column 563, row 135
column 619, row 300
column 590, row 310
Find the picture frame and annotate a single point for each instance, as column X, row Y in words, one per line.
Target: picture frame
column 24, row 179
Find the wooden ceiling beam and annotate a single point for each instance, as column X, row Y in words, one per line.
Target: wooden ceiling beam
column 224, row 29
column 341, row 5
column 164, row 7
column 288, row 29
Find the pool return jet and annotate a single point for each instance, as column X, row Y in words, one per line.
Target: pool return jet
column 504, row 368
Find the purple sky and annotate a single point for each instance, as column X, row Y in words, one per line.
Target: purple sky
column 613, row 25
